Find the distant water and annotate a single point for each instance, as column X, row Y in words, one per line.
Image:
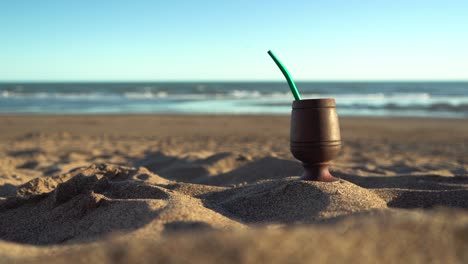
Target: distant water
column 421, row 99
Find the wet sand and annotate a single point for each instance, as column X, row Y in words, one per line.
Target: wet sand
column 210, row 189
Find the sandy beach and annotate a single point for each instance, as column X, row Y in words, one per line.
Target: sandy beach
column 226, row 189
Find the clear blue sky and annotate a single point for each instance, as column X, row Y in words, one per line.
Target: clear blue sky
column 228, row 40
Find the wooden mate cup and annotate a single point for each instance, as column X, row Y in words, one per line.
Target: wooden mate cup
column 315, row 137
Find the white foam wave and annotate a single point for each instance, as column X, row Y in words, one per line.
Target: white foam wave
column 245, row 94
column 373, row 99
column 145, row 95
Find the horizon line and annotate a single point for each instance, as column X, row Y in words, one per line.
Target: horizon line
column 228, row 81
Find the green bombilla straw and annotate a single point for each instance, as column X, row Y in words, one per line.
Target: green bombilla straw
column 286, row 74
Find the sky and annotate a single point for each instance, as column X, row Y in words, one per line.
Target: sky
column 154, row 40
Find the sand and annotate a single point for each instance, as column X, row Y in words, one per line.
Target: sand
column 225, row 189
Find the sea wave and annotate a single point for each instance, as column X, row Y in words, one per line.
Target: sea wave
column 145, row 95
column 241, row 94
column 276, row 98
column 371, row 99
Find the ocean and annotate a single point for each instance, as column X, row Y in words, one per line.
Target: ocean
column 393, row 99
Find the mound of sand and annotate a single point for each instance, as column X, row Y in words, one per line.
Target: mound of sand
column 90, row 202
column 294, row 201
column 94, row 201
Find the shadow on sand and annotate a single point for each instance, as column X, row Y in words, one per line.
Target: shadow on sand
column 411, row 191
